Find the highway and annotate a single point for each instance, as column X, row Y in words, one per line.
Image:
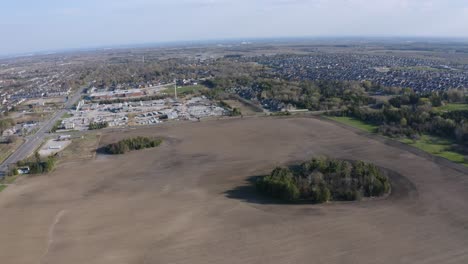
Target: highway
column 34, row 141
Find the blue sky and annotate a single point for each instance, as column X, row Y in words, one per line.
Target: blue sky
column 37, row 25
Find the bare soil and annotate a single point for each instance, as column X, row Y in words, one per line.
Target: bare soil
column 189, row 201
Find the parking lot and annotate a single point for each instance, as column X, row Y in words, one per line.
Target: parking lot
column 53, row 146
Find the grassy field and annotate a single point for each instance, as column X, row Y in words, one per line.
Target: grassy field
column 185, row 89
column 32, row 117
column 354, row 123
column 244, row 108
column 81, row 148
column 434, row 145
column 7, row 149
column 452, row 107
column 66, row 115
column 438, row 147
column 7, row 180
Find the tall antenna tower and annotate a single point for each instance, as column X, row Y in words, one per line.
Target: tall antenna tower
column 143, row 59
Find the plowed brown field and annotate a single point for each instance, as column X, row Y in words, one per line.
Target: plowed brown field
column 188, row 201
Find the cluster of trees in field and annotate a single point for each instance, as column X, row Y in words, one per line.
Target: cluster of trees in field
column 37, row 165
column 98, row 125
column 135, row 143
column 411, row 114
column 324, row 179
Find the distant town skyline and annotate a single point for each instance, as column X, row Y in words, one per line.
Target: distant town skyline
column 28, row 26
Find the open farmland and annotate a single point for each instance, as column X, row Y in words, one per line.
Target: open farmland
column 189, row 201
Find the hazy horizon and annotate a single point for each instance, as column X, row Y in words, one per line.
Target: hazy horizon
column 51, row 25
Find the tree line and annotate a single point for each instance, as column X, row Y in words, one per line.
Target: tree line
column 312, row 95
column 37, row 165
column 412, row 114
column 126, row 100
column 98, row 125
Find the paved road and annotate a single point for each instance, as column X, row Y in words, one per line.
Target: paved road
column 33, row 142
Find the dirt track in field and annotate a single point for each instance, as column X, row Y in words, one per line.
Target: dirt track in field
column 188, row 201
